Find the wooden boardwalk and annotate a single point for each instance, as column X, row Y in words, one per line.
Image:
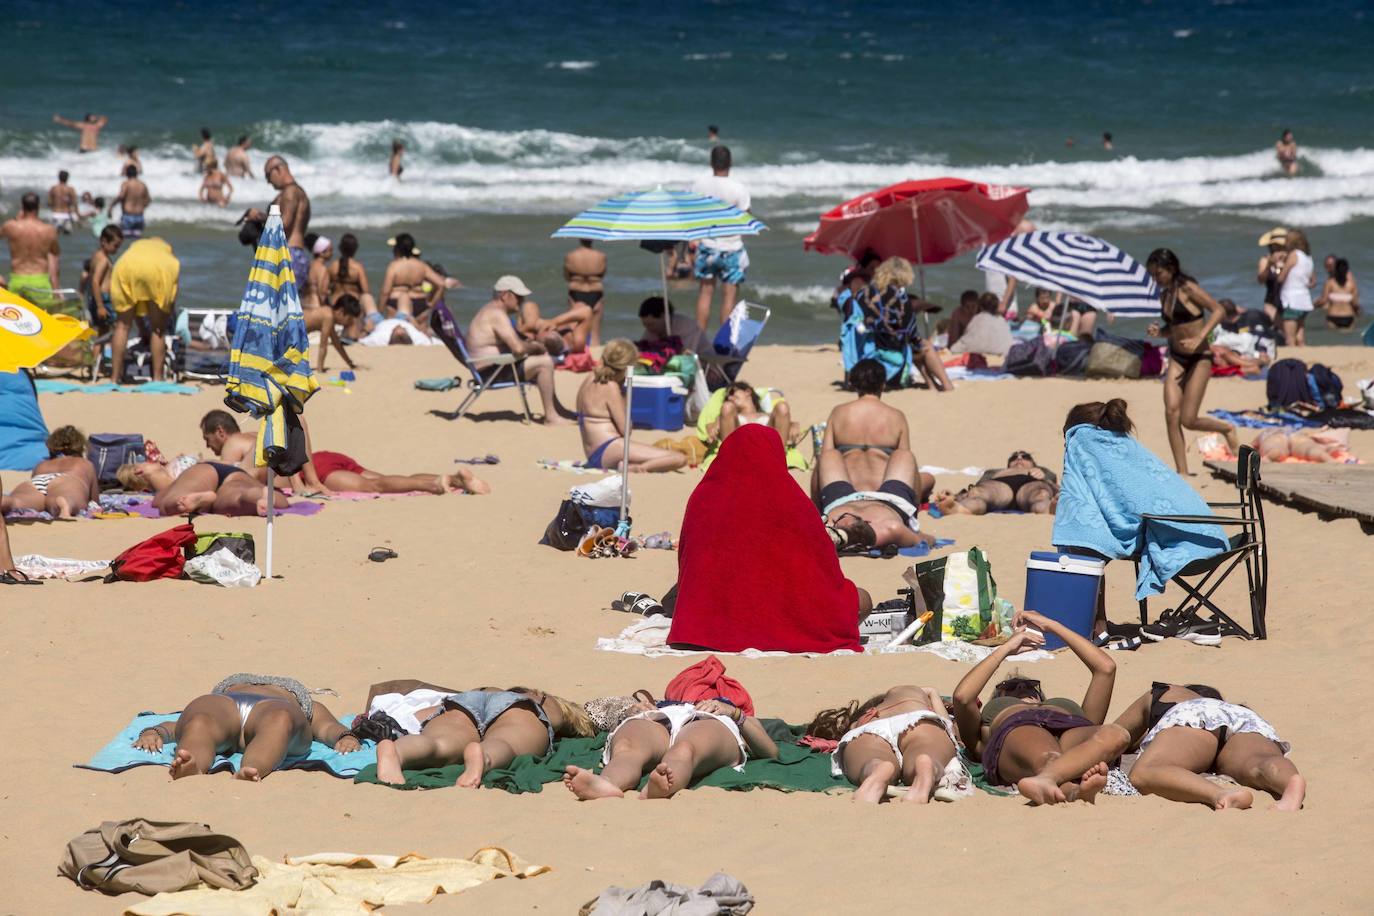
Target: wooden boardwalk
column 1345, row 490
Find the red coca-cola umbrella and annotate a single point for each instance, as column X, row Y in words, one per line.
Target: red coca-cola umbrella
column 927, row 222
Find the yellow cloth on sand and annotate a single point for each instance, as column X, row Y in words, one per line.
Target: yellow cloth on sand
column 147, row 275
column 341, row 882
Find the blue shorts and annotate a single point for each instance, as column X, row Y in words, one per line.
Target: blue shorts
column 484, row 706
column 131, row 224
column 300, row 266
column 725, row 266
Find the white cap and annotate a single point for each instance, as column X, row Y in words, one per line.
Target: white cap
column 510, row 284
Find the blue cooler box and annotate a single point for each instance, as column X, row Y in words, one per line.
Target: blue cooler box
column 1063, row 587
column 658, row 402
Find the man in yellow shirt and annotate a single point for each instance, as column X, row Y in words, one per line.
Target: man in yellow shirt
column 143, row 284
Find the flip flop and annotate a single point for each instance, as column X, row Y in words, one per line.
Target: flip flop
column 382, row 554
column 17, row 577
column 588, row 545
column 638, row 603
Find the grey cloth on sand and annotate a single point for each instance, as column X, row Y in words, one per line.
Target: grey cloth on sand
column 986, row 333
column 289, row 684
column 721, row 895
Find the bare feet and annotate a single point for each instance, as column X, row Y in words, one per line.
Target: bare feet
column 923, row 786
column 474, row 765
column 198, row 502
column 250, row 774
column 662, row 782
column 1041, row 790
column 442, row 486
column 64, row 508
column 389, row 764
column 1293, row 795
column 874, row 785
column 470, row 482
column 556, row 421
column 587, row 785
column 1237, row 798
column 183, row 764
column 1093, row 782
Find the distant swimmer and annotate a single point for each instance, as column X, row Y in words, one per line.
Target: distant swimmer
column 1286, row 149
column 236, row 161
column 62, row 204
column 204, row 151
column 584, row 269
column 132, row 201
column 712, row 133
column 130, row 154
column 35, row 256
column 216, row 187
column 395, row 167
column 89, row 126
column 295, row 216
column 1107, row 140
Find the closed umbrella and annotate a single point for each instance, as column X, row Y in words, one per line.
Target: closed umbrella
column 1086, row 268
column 269, row 362
column 29, row 335
column 928, row 221
column 664, row 216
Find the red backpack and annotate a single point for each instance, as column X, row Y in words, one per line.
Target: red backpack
column 162, row 556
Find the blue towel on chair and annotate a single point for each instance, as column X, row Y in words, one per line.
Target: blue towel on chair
column 120, row 754
column 1110, row 480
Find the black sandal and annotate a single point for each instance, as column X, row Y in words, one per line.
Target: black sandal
column 17, row 577
column 382, row 554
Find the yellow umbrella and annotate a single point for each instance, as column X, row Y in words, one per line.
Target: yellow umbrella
column 29, row 335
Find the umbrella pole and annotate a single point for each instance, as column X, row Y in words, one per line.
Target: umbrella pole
column 920, row 266
column 271, row 504
column 663, row 273
column 623, row 526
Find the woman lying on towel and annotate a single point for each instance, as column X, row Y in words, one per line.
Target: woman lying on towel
column 1183, row 731
column 1052, row 750
column 601, row 416
column 63, row 484
column 210, row 486
column 1022, row 484
column 676, row 744
column 904, row 735
column 268, row 719
column 482, row 729
column 743, row 407
column 756, row 569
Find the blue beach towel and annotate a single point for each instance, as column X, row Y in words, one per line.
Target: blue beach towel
column 120, row 754
column 1110, row 480
column 57, row 386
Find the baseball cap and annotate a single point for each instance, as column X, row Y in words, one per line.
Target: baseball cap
column 510, row 284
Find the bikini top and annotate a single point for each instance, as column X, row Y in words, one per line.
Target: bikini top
column 997, row 705
column 1190, row 311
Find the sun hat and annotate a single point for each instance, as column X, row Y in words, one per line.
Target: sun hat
column 511, row 284
column 1276, row 236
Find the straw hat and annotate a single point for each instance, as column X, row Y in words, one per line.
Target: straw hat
column 1276, row 236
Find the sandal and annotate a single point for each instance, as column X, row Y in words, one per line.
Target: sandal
column 17, row 577
column 588, row 545
column 382, row 554
column 638, row 603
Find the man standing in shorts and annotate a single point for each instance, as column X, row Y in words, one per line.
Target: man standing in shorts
column 132, row 201
column 723, row 259
column 143, row 283
column 295, row 217
column 35, row 258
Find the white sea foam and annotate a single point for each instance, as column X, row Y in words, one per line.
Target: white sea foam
column 572, row 64
column 802, row 295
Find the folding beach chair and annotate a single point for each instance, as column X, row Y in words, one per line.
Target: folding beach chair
column 1201, row 578
column 733, row 342
column 489, row 373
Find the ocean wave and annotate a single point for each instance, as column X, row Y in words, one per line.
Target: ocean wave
column 571, row 65
column 802, row 295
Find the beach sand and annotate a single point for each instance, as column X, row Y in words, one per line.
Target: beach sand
column 473, row 600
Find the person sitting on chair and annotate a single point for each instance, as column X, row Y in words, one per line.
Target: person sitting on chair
column 742, row 407
column 891, row 315
column 865, row 519
column 1022, row 485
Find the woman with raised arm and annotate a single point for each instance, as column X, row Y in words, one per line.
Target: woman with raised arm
column 1053, row 750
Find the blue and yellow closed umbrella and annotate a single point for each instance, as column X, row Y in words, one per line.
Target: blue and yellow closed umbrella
column 269, row 362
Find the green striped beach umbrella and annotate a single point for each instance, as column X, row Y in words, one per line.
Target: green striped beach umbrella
column 661, row 215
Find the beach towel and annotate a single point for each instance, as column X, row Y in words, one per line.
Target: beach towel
column 721, row 895
column 756, row 569
column 144, row 507
column 342, row 882
column 706, row 680
column 120, row 754
column 1110, row 481
column 57, row 386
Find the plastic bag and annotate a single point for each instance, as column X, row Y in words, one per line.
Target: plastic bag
column 221, row 567
column 604, row 492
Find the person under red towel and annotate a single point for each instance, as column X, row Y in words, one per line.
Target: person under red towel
column 756, row 569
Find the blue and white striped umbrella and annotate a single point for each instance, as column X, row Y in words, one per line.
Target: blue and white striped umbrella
column 1084, row 267
column 661, row 215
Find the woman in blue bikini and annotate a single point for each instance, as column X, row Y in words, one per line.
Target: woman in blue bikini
column 601, row 416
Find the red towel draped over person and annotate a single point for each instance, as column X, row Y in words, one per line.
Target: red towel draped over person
column 756, row 569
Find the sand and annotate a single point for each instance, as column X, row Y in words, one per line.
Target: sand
column 473, row 600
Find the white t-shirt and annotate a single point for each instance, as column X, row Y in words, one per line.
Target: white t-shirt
column 381, row 334
column 722, row 187
column 1296, row 294
column 403, row 706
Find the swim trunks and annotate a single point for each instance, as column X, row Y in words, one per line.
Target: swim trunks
column 26, row 284
column 327, row 463
column 725, row 266
column 897, row 495
column 131, row 224
column 300, row 266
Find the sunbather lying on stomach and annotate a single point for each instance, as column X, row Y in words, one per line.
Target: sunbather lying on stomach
column 1022, row 484
column 871, row 518
column 209, row 486
column 266, row 718
column 866, row 432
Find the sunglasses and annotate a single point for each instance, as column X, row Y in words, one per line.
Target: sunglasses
column 1016, row 456
column 1021, row 687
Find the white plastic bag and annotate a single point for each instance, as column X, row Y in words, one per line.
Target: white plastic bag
column 604, row 493
column 222, row 567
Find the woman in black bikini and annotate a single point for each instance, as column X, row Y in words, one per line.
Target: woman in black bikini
column 1022, row 484
column 1189, row 316
column 1052, row 750
column 210, row 486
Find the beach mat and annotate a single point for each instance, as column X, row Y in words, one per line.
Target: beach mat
column 57, row 386
column 797, row 769
column 144, row 508
column 120, row 754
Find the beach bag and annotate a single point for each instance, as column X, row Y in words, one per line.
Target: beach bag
column 154, row 857
column 1029, row 358
column 108, row 451
column 238, row 543
column 162, row 556
column 959, row 589
column 1108, row 359
column 568, row 527
column 1151, row 362
column 1326, row 386
column 1286, row 383
column 1071, row 358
